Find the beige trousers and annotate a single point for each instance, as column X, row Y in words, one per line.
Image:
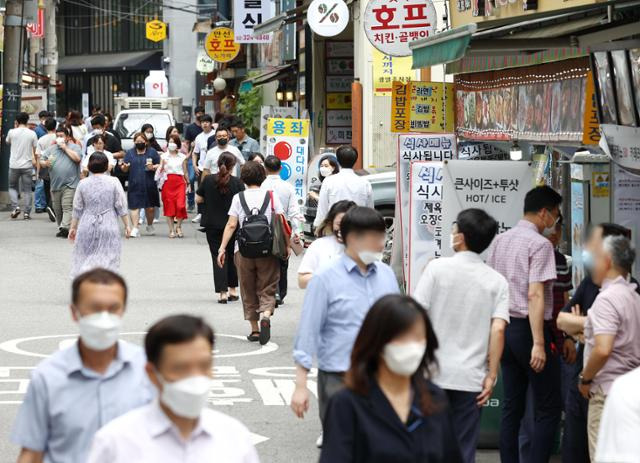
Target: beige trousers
column 596, row 405
column 258, row 284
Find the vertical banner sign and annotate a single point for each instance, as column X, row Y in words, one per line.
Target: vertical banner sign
column 591, row 126
column 266, row 113
column 425, row 218
column 247, row 14
column 422, row 107
column 498, row 187
column 288, row 140
column 626, row 206
column 578, row 229
column 387, row 69
column 37, row 29
column 413, row 148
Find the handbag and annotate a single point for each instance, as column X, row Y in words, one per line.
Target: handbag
column 160, row 177
column 279, row 232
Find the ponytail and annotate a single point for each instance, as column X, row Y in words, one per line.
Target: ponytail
column 224, row 176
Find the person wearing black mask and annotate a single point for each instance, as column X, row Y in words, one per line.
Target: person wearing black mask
column 211, row 161
column 575, row 444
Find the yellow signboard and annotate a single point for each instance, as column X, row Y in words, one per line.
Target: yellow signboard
column 284, row 127
column 156, row 30
column 221, row 46
column 591, row 126
column 426, row 107
column 600, row 184
column 387, row 69
column 339, row 100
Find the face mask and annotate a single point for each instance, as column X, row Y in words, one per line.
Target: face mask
column 548, row 231
column 222, row 141
column 404, row 358
column 186, row 397
column 150, row 136
column 369, row 257
column 98, row 131
column 326, row 171
column 172, row 147
column 141, row 146
column 587, row 259
column 60, row 140
column 452, row 242
column 100, row 331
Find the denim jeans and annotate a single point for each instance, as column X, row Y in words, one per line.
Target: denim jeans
column 21, row 179
column 191, row 197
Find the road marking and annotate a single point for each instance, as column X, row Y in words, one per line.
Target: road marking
column 270, row 371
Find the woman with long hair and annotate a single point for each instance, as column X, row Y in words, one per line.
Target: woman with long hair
column 328, row 245
column 76, row 124
column 173, row 163
column 98, row 203
column 141, row 163
column 150, row 133
column 390, row 410
column 215, row 193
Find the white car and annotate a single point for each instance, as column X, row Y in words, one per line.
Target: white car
column 129, row 122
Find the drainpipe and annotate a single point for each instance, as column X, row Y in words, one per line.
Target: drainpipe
column 356, row 120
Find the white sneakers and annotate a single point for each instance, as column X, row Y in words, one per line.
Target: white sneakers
column 319, row 442
column 135, row 233
column 150, row 230
column 196, row 219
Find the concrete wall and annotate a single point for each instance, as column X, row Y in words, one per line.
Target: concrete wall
column 182, row 49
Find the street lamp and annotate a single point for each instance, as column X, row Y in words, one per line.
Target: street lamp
column 219, row 84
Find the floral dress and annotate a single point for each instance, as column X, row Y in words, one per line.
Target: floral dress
column 98, row 204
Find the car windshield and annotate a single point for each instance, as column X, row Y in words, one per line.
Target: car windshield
column 129, row 124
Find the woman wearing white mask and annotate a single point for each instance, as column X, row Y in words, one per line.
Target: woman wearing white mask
column 179, row 426
column 173, row 168
column 389, row 410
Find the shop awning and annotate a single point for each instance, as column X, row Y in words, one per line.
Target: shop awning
column 446, row 47
column 130, row 61
column 269, row 75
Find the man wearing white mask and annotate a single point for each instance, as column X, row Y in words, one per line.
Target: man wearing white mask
column 79, row 389
column 178, row 426
column 335, row 304
column 470, row 321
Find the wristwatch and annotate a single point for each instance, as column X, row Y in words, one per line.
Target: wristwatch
column 583, row 381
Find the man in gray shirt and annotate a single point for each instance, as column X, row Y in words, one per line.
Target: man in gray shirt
column 63, row 161
column 242, row 141
column 23, row 142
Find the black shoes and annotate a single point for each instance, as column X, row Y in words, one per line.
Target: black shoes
column 26, row 216
column 62, row 233
column 265, row 331
column 15, row 213
column 51, row 214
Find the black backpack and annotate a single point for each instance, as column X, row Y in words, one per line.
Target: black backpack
column 254, row 237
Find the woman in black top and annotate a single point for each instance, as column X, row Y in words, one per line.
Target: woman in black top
column 215, row 193
column 389, row 411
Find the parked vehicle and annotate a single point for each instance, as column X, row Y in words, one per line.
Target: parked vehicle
column 134, row 112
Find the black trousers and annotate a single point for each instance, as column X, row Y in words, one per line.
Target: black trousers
column 227, row 276
column 47, row 191
column 517, row 375
column 282, row 284
column 575, row 442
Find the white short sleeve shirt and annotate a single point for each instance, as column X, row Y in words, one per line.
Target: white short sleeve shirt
column 211, row 160
column 320, row 253
column 462, row 296
column 200, row 146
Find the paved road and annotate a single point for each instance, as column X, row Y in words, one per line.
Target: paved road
column 165, row 276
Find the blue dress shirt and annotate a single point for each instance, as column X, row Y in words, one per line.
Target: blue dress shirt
column 66, row 403
column 337, row 300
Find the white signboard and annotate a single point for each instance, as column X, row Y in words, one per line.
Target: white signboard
column 272, row 111
column 390, row 26
column 339, row 118
column 247, row 15
column 412, row 148
column 204, row 63
column 327, row 18
column 622, row 145
column 337, row 135
column 626, row 205
column 498, row 187
column 425, row 218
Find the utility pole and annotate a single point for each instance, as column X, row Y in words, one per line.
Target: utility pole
column 51, row 53
column 12, row 73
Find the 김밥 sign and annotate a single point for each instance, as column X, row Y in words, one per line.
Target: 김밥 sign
column 247, row 15
column 287, row 139
column 422, row 107
column 391, row 25
column 327, row 17
column 425, row 218
column 413, row 148
column 221, row 46
column 498, row 187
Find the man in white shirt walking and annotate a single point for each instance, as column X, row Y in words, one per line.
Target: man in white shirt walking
column 287, row 195
column 179, row 426
column 346, row 184
column 22, row 159
column 210, row 165
column 468, row 303
column 199, row 153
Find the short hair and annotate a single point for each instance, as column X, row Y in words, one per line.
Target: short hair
column 206, row 118
column 339, row 207
column 361, row 219
column 272, row 163
column 175, row 329
column 613, row 229
column 541, row 197
column 62, row 129
column 237, row 123
column 621, row 252
column 99, row 137
column 44, row 113
column 478, row 228
column 98, row 163
column 252, row 173
column 176, row 139
column 22, row 118
column 198, row 109
column 222, row 129
column 347, row 156
column 98, row 119
column 50, row 124
column 100, row 276
column 253, row 156
column 140, row 135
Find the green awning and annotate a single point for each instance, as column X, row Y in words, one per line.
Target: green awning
column 442, row 48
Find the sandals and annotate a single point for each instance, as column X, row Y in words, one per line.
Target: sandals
column 254, row 336
column 265, row 331
column 179, row 233
column 223, row 301
column 172, row 235
column 232, row 298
